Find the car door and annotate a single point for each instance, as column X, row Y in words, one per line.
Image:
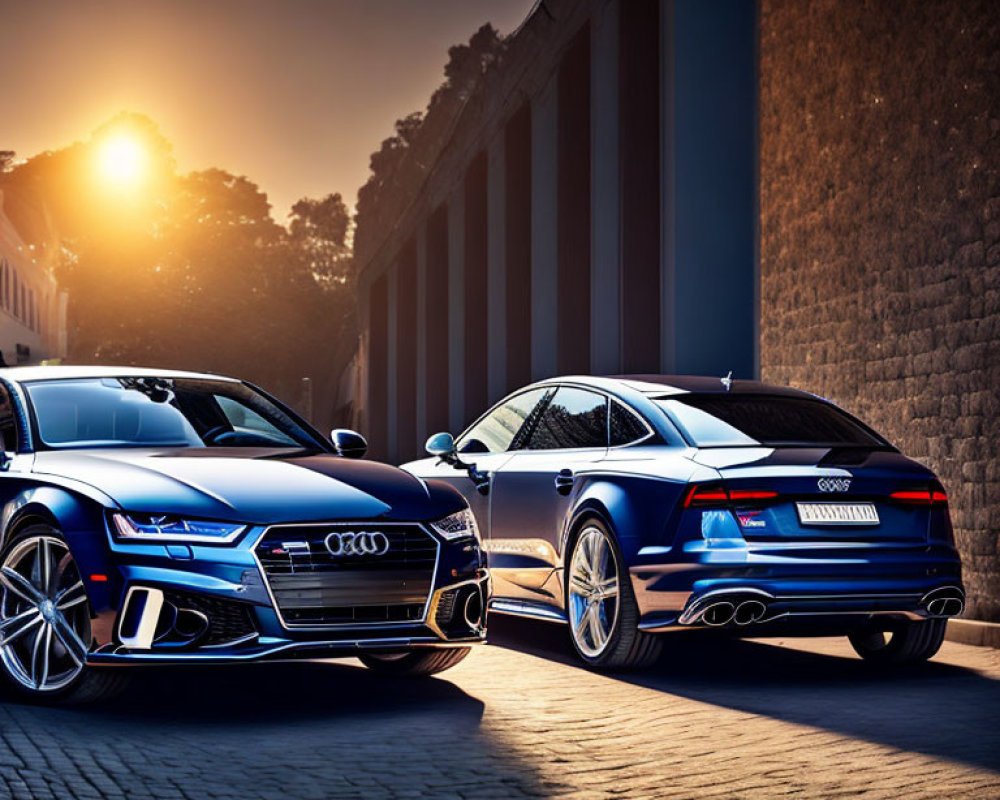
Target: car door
column 486, row 445
column 532, row 492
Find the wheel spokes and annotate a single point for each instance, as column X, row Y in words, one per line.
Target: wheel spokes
column 18, row 625
column 40, row 656
column 15, row 582
column 580, row 583
column 71, row 596
column 44, row 634
column 75, row 647
column 597, row 633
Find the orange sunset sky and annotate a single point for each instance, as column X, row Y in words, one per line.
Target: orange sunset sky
column 294, row 94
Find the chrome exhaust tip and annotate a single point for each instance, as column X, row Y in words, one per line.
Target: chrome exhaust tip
column 749, row 611
column 945, row 607
column 947, row 601
column 717, row 614
column 472, row 610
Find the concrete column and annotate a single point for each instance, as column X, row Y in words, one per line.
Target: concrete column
column 544, row 198
column 421, row 405
column 668, row 354
column 456, row 311
column 605, row 220
column 712, row 172
column 391, row 444
column 496, row 271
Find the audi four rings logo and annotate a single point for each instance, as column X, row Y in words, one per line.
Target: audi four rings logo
column 357, row 543
column 833, row 484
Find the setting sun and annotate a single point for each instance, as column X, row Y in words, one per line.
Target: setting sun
column 121, row 160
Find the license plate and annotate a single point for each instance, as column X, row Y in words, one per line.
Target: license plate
column 837, row 513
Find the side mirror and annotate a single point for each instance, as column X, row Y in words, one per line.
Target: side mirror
column 348, row 444
column 442, row 445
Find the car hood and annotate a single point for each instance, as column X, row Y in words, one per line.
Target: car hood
column 251, row 485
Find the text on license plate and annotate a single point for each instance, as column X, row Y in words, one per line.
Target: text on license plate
column 837, row 513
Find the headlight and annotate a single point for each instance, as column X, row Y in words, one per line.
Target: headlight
column 167, row 528
column 458, row 525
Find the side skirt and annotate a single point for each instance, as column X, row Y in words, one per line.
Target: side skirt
column 524, row 608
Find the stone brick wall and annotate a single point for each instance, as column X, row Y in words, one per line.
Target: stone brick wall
column 880, row 234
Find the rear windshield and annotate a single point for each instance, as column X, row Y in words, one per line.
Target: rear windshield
column 746, row 420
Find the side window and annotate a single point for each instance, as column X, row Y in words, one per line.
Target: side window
column 625, row 426
column 573, row 418
column 8, row 426
column 495, row 432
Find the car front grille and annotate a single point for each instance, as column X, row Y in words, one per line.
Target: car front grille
column 313, row 586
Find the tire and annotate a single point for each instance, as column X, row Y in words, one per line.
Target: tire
column 415, row 664
column 909, row 643
column 45, row 617
column 622, row 646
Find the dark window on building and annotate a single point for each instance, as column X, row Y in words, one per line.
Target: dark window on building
column 475, row 286
column 406, row 353
column 625, row 426
column 436, row 321
column 573, row 218
column 517, row 220
column 573, row 418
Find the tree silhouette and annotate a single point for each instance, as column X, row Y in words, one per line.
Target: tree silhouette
column 191, row 271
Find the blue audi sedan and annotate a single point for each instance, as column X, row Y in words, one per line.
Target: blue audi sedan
column 628, row 507
column 155, row 517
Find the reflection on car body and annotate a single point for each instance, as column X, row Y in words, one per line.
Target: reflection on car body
column 627, row 507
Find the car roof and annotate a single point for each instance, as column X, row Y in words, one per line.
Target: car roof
column 55, row 373
column 661, row 385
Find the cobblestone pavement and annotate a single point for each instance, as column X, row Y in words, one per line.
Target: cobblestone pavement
column 729, row 719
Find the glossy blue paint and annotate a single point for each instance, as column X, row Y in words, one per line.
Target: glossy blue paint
column 76, row 491
column 821, row 577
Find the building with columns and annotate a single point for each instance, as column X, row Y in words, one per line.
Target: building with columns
column 804, row 191
column 591, row 210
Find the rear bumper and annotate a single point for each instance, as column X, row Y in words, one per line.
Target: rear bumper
column 822, row 583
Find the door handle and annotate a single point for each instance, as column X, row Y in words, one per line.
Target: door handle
column 564, row 481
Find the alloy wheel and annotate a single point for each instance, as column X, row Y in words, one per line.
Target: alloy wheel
column 593, row 592
column 44, row 615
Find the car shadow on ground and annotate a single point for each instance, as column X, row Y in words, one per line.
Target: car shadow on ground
column 938, row 709
column 302, row 730
column 300, row 690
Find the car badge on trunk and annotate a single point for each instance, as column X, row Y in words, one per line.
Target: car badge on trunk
column 833, row 484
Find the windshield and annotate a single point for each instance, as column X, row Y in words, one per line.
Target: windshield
column 160, row 412
column 748, row 420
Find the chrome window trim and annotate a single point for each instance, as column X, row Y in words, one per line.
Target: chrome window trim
column 346, row 625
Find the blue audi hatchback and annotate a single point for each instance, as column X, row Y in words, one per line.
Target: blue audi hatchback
column 155, row 517
column 628, row 507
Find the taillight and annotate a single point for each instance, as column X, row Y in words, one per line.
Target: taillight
column 921, row 497
column 706, row 495
column 715, row 495
column 750, row 494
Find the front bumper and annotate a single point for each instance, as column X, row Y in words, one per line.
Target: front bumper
column 824, row 585
column 213, row 603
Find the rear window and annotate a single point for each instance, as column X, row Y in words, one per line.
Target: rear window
column 734, row 420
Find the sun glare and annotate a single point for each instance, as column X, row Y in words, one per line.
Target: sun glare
column 121, row 160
